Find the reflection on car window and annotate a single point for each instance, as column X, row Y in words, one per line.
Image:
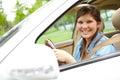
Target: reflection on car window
column 60, row 31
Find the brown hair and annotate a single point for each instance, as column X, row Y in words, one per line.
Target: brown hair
column 95, row 13
column 90, row 9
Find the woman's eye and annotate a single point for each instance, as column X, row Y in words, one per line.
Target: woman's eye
column 89, row 21
column 80, row 22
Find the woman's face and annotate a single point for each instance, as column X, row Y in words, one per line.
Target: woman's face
column 87, row 26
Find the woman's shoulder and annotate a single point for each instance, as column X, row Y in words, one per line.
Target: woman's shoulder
column 104, row 38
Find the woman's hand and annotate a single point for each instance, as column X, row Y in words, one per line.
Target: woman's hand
column 63, row 56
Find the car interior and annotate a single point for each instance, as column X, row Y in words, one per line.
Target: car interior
column 115, row 20
column 69, row 45
column 116, row 23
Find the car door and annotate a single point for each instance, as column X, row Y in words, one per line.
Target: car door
column 18, row 47
column 100, row 68
column 34, row 26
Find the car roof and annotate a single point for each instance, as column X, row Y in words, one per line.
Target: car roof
column 107, row 4
column 100, row 4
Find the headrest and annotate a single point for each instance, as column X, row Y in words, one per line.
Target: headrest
column 116, row 19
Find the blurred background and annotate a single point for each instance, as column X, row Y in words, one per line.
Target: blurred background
column 13, row 11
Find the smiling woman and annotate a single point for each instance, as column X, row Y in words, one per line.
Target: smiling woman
column 87, row 22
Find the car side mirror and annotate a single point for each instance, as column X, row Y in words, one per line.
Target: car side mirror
column 36, row 62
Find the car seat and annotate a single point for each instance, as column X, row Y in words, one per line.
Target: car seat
column 116, row 24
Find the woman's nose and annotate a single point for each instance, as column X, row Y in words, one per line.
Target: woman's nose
column 84, row 25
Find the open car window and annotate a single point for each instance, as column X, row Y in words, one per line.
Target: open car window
column 62, row 32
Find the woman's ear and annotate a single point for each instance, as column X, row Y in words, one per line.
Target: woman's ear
column 99, row 24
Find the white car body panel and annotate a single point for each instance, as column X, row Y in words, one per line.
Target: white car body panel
column 102, row 70
column 20, row 50
column 36, row 24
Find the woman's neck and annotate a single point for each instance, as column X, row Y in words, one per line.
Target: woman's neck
column 89, row 40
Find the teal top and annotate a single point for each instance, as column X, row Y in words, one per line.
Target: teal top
column 102, row 51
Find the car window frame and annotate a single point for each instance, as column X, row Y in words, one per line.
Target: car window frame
column 88, row 61
column 84, row 62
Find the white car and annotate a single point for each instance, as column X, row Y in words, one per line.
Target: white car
column 23, row 55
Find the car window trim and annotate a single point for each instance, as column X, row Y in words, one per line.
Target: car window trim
column 89, row 61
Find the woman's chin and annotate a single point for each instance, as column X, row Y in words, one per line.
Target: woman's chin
column 85, row 36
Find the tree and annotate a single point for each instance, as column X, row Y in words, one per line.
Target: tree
column 21, row 8
column 21, row 11
column 37, row 4
column 20, row 15
column 65, row 20
column 3, row 23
